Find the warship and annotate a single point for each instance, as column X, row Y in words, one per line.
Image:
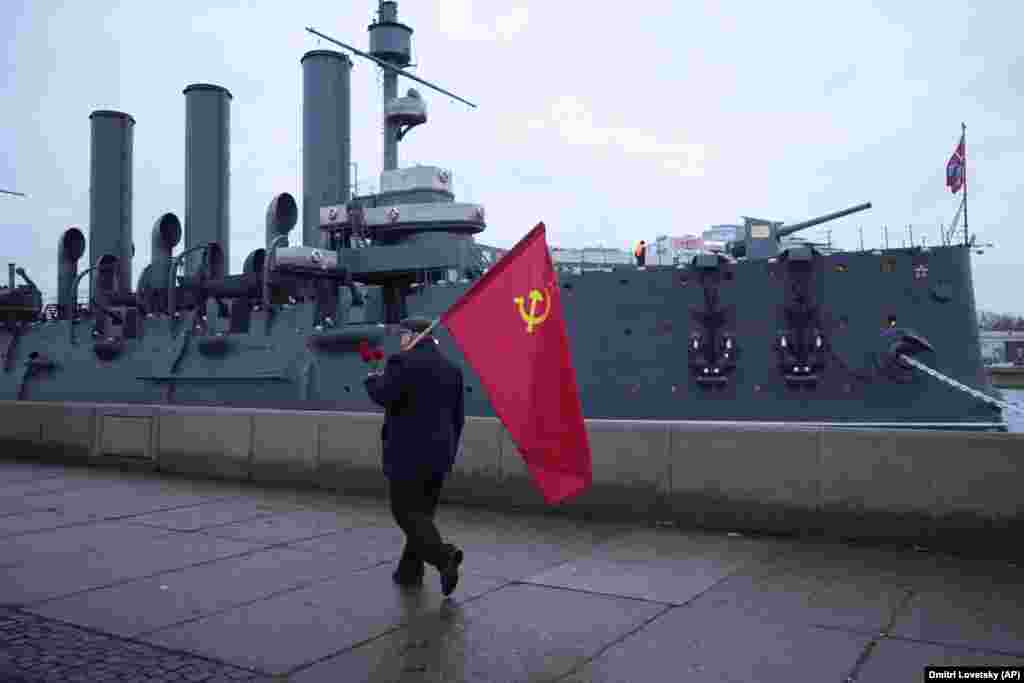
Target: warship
column 758, row 334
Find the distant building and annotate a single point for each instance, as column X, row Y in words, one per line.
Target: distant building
column 669, row 250
column 593, row 255
column 723, row 233
column 1001, row 346
column 491, row 255
column 601, row 256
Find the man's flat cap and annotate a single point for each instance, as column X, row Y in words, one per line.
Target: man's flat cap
column 415, row 325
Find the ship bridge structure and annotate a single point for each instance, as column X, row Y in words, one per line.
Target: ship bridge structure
column 415, row 208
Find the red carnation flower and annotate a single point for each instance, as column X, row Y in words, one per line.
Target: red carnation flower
column 378, row 354
column 364, row 351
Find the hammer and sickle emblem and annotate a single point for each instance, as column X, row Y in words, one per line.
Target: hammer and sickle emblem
column 532, row 319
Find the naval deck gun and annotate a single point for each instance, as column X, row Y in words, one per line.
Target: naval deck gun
column 19, row 303
column 760, row 239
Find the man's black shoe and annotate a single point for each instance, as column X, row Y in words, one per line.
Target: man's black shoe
column 450, row 571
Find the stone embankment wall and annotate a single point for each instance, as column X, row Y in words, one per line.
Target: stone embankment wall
column 960, row 491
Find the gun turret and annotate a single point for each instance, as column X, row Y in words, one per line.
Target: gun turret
column 761, row 238
column 22, row 304
column 785, row 230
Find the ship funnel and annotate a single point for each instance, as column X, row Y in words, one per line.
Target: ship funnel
column 110, row 192
column 326, row 137
column 282, row 214
column 207, row 168
column 69, row 249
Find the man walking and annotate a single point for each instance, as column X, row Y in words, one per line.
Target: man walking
column 421, row 393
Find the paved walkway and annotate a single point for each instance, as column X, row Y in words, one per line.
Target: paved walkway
column 107, row 575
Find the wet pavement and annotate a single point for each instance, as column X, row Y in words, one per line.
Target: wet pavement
column 108, row 575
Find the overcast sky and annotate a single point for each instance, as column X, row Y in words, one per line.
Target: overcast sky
column 611, row 122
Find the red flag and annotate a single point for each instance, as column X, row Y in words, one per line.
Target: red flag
column 956, row 167
column 510, row 328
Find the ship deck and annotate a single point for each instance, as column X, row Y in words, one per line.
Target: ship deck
column 109, row 574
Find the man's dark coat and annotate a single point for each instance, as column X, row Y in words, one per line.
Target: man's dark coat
column 421, row 393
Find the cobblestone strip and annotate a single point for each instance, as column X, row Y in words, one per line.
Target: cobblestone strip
column 34, row 649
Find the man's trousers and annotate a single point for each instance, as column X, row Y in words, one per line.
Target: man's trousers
column 413, row 504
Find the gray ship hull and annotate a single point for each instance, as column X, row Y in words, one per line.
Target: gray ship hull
column 629, row 329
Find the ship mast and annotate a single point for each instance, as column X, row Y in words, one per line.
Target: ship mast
column 390, row 42
column 388, row 17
